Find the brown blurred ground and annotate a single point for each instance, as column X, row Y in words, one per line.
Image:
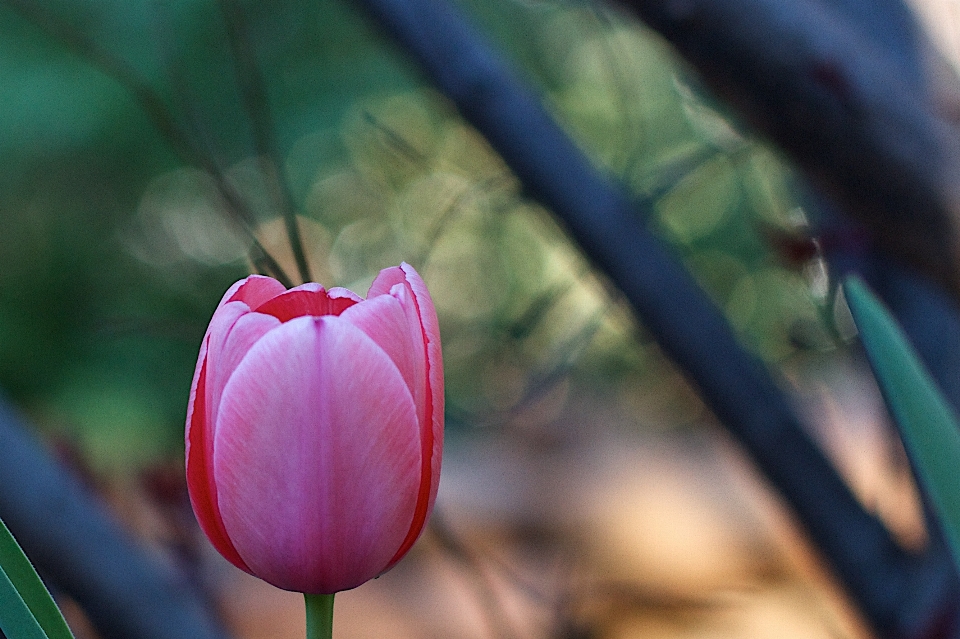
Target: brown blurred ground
column 593, row 527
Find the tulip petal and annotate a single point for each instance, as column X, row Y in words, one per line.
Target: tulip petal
column 228, row 346
column 338, row 292
column 317, row 456
column 199, row 434
column 200, row 483
column 232, row 331
column 392, row 322
column 407, row 277
column 308, row 299
column 253, row 291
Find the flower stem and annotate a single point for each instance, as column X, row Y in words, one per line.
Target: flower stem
column 319, row 616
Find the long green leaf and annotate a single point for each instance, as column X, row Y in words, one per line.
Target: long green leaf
column 928, row 425
column 19, row 575
column 16, row 619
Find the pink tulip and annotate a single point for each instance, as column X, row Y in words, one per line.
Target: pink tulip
column 315, row 428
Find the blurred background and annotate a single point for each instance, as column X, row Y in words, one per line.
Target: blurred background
column 586, row 491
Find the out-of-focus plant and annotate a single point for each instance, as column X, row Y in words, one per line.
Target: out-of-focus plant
column 374, row 167
column 26, row 609
column 232, row 123
column 927, row 424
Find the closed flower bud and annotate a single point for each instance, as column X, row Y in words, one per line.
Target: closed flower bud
column 315, row 428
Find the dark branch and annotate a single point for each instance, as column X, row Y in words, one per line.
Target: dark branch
column 839, row 87
column 882, row 579
column 75, row 544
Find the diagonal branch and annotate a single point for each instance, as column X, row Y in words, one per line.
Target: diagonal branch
column 125, row 591
column 897, row 593
column 833, row 84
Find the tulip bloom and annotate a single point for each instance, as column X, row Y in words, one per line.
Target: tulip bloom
column 315, row 428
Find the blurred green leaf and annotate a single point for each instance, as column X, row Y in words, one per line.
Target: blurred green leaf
column 928, row 425
column 114, row 249
column 26, row 609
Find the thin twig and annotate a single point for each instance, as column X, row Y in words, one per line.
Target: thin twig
column 395, row 139
column 165, row 122
column 486, row 591
column 454, row 209
column 253, row 91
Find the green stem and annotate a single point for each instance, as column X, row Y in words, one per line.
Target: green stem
column 319, row 616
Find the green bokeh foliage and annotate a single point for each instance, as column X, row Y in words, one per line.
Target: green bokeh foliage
column 114, row 249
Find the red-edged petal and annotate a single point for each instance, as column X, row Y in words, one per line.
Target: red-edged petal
column 338, row 293
column 229, row 347
column 317, row 456
column 200, row 484
column 253, row 291
column 308, row 299
column 406, row 276
column 232, row 330
column 392, row 322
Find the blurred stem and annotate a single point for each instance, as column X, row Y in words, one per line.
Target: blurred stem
column 490, row 602
column 253, row 91
column 177, row 135
column 319, row 616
